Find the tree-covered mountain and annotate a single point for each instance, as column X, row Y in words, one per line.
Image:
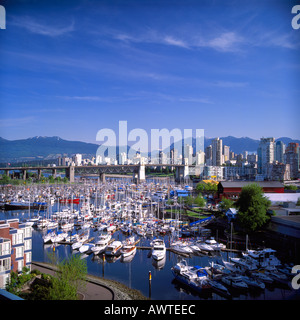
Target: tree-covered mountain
column 40, row 148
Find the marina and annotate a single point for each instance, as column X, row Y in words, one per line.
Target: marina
column 118, row 228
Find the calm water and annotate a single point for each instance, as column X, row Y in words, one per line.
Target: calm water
column 134, row 274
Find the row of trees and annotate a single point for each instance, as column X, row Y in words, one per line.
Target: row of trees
column 32, row 178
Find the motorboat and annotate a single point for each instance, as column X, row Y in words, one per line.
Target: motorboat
column 219, row 288
column 243, row 264
column 113, row 248
column 86, row 247
column 260, row 275
column 67, row 226
column 180, row 247
column 194, row 247
column 47, row 237
column 80, row 241
column 101, row 243
column 277, row 276
column 263, row 258
column 60, row 236
column 204, row 246
column 52, row 224
column 158, row 251
column 193, row 276
column 214, row 244
column 234, row 281
column 253, row 282
column 42, row 223
column 128, row 247
column 216, row 269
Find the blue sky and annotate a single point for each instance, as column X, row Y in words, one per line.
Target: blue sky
column 71, row 68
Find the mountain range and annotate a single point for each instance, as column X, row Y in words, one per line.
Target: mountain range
column 45, row 148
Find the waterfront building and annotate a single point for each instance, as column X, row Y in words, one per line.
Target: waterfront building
column 226, row 153
column 77, row 159
column 200, row 158
column 123, row 158
column 208, row 155
column 245, row 171
column 232, row 189
column 252, row 158
column 174, row 155
column 231, row 155
column 213, row 172
column 279, row 151
column 15, row 248
column 291, row 157
column 266, row 155
column 278, row 171
column 188, row 153
column 98, row 160
column 217, row 152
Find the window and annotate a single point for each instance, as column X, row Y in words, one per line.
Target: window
column 20, row 265
column 28, row 257
column 4, row 248
column 27, row 244
column 4, row 264
column 19, row 252
column 18, row 237
column 28, row 232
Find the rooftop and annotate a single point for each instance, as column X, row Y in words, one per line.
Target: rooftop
column 240, row 184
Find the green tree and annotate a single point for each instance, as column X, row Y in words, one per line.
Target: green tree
column 17, row 281
column 200, row 187
column 69, row 279
column 5, row 179
column 206, row 187
column 225, row 204
column 200, row 201
column 188, row 201
column 65, row 180
column 252, row 207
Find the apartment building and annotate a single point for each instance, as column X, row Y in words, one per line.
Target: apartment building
column 15, row 248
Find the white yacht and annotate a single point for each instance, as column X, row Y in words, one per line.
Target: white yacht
column 180, row 247
column 235, row 281
column 263, row 258
column 113, row 248
column 214, row 244
column 129, row 247
column 158, row 249
column 101, row 243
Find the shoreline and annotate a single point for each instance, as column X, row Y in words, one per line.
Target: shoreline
column 112, row 289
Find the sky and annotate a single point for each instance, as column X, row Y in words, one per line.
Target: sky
column 72, row 68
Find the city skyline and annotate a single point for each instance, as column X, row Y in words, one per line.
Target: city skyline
column 70, row 70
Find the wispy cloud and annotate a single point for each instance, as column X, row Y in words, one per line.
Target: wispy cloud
column 226, row 42
column 42, row 29
column 16, row 122
column 175, row 42
column 97, row 98
column 230, row 84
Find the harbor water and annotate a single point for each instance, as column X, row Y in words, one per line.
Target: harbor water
column 135, row 273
